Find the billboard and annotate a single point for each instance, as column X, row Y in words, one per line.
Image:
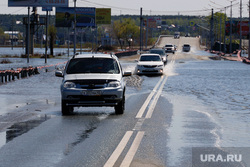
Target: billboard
column 153, row 22
column 236, row 27
column 103, row 16
column 85, row 17
column 38, row 3
column 244, row 28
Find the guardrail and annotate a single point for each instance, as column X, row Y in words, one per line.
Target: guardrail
column 12, row 75
column 126, row 53
column 159, row 38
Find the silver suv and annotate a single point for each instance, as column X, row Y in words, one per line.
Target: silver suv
column 92, row 80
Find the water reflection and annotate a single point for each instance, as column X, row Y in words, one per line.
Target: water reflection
column 20, row 128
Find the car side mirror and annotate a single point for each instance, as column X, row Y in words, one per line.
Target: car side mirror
column 127, row 73
column 59, row 73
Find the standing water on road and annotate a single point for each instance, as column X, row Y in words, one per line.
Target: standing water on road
column 211, row 106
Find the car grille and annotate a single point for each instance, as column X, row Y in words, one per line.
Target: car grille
column 149, row 71
column 148, row 66
column 92, row 83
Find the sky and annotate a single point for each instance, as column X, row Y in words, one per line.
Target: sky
column 149, row 7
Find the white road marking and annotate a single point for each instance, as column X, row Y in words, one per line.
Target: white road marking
column 144, row 106
column 115, row 155
column 133, row 149
column 137, row 141
column 138, row 124
column 152, row 106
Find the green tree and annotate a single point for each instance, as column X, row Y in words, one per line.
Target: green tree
column 3, row 36
column 219, row 24
column 117, row 31
column 125, row 30
column 130, row 30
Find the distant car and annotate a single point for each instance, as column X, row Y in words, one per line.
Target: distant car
column 92, row 80
column 187, row 35
column 161, row 52
column 177, row 35
column 169, row 48
column 186, row 48
column 149, row 64
column 175, row 47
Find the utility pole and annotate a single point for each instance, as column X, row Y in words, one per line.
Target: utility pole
column 75, row 28
column 211, row 30
column 240, row 24
column 225, row 30
column 46, row 40
column 28, row 37
column 220, row 32
column 141, row 27
column 249, row 31
column 231, row 29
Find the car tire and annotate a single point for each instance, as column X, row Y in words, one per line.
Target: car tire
column 119, row 109
column 66, row 110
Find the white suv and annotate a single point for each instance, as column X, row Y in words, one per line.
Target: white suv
column 92, row 80
column 169, row 48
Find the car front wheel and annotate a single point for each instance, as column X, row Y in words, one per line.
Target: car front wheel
column 66, row 110
column 119, row 109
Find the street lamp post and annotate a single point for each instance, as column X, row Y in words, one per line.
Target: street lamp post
column 75, row 28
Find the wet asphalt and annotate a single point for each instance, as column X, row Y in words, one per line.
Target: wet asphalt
column 33, row 132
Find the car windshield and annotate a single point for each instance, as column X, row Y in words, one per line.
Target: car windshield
column 160, row 52
column 186, row 45
column 93, row 65
column 150, row 58
column 168, row 45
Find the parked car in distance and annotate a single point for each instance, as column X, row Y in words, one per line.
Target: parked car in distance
column 177, row 35
column 91, row 80
column 169, row 48
column 161, row 52
column 186, row 48
column 187, row 35
column 150, row 64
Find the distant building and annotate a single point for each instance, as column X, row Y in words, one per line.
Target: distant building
column 14, row 36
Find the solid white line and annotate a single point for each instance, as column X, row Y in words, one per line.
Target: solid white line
column 153, row 104
column 115, row 155
column 144, row 106
column 133, row 149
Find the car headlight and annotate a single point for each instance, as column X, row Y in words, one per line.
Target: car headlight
column 114, row 84
column 69, row 85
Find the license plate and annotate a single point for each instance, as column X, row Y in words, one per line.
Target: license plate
column 91, row 92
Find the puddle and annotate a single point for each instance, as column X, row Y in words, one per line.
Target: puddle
column 81, row 137
column 20, row 128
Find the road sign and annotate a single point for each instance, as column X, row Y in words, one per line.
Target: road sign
column 85, row 17
column 38, row 3
column 103, row 16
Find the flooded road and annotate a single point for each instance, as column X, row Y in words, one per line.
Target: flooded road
column 196, row 103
